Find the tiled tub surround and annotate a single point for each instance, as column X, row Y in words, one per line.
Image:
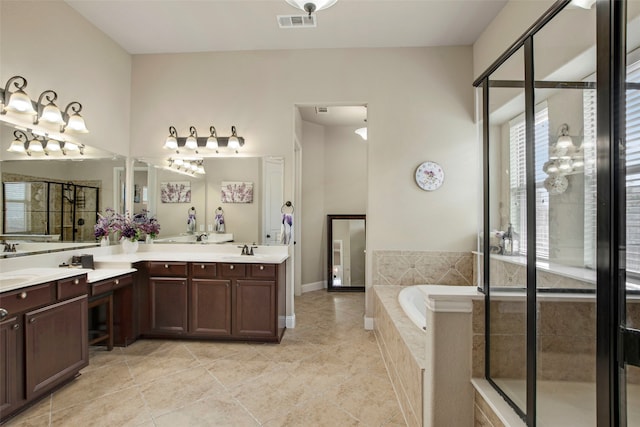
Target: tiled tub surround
column 428, row 367
column 407, row 268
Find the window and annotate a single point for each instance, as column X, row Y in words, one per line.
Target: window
column 517, row 181
column 16, row 195
column 632, row 177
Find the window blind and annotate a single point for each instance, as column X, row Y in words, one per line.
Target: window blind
column 15, row 214
column 518, row 177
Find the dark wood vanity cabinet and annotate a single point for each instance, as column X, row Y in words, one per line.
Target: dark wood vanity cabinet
column 43, row 340
column 11, row 364
column 213, row 300
column 168, row 300
column 56, row 344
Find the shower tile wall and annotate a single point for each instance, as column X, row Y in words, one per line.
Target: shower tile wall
column 407, row 268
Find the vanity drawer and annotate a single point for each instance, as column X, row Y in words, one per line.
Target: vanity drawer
column 263, row 270
column 28, row 298
column 110, row 284
column 232, row 270
column 203, row 270
column 168, row 269
column 72, row 287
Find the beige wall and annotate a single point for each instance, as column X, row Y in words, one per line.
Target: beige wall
column 314, row 228
column 54, row 47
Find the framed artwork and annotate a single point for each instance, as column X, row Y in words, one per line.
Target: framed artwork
column 175, row 192
column 236, row 192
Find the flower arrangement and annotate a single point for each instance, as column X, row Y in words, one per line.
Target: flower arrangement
column 123, row 226
column 149, row 225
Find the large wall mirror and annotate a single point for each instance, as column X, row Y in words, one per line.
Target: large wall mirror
column 346, row 242
column 50, row 202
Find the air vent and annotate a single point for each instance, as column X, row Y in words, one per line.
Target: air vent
column 320, row 110
column 296, row 21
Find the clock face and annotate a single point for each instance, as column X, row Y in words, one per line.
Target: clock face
column 429, row 176
column 556, row 184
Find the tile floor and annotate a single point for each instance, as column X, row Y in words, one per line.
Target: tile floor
column 328, row 371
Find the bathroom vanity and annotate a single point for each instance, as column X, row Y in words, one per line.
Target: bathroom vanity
column 168, row 291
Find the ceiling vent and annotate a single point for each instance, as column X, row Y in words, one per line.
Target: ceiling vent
column 320, row 110
column 296, row 21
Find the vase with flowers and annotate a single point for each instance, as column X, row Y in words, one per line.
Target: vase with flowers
column 148, row 225
column 103, row 226
column 128, row 231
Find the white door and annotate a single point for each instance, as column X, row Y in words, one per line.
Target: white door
column 273, row 168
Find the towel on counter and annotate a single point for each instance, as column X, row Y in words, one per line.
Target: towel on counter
column 286, row 230
column 218, row 225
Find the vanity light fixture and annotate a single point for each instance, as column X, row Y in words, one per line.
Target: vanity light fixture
column 198, row 144
column 564, row 157
column 18, row 101
column 49, row 113
column 189, row 167
column 311, row 6
column 17, row 146
column 234, row 142
column 212, row 141
column 192, row 140
column 362, row 132
column 75, row 122
column 171, row 143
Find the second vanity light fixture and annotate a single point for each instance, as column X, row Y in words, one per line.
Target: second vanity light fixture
column 40, row 144
column 194, row 143
column 19, row 102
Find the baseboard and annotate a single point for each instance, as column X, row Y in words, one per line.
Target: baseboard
column 315, row 286
column 368, row 323
column 291, row 321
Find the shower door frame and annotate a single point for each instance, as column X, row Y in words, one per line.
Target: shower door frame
column 615, row 342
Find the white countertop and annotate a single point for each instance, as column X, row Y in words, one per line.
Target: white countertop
column 32, row 276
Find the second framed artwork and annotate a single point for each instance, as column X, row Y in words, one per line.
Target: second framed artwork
column 236, row 192
column 175, row 192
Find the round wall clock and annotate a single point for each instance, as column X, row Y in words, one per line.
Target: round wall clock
column 429, row 176
column 556, row 184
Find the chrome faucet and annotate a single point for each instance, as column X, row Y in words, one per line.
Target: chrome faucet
column 9, row 247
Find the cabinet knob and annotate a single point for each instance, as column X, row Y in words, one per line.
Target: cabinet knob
column 33, row 319
column 231, row 267
column 75, row 282
column 166, row 266
column 23, row 295
column 262, row 267
column 202, row 266
column 16, row 326
column 117, row 281
column 3, row 313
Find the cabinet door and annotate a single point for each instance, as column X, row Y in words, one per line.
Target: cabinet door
column 255, row 308
column 56, row 346
column 210, row 309
column 168, row 305
column 11, row 365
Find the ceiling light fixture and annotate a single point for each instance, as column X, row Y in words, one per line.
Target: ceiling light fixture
column 311, row 6
column 197, row 143
column 18, row 101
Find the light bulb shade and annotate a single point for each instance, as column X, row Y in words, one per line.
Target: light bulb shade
column 171, row 143
column 200, row 170
column 234, row 143
column 76, row 124
column 212, row 143
column 564, row 142
column 51, row 114
column 310, row 6
column 71, row 146
column 35, row 146
column 178, row 162
column 17, row 146
column 191, row 143
column 19, row 102
column 53, row 145
column 362, row 132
